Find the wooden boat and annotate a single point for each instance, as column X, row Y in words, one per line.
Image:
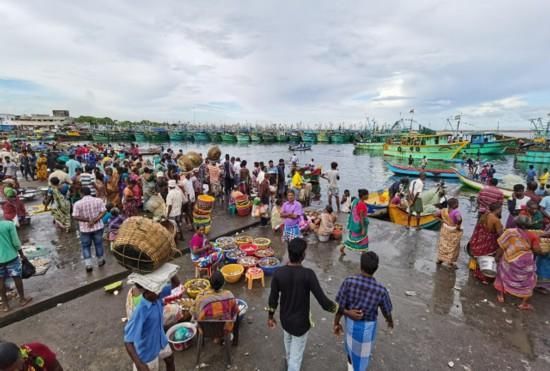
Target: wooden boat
column 414, row 171
column 215, row 137
column 434, row 147
column 300, row 147
column 378, row 202
column 400, row 216
column 372, row 143
column 229, row 137
column 295, row 137
column 309, row 136
column 488, row 144
column 201, row 136
column 477, row 185
column 534, row 156
column 338, row 138
column 255, row 138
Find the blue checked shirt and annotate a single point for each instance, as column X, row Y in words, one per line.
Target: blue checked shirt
column 364, row 293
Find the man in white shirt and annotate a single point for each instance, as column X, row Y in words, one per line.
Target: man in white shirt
column 174, row 204
column 415, row 201
column 60, row 174
column 333, row 177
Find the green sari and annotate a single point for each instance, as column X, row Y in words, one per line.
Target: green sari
column 62, row 210
column 358, row 220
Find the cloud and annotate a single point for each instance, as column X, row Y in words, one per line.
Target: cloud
column 279, row 61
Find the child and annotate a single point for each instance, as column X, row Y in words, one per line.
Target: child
column 276, row 220
column 346, row 202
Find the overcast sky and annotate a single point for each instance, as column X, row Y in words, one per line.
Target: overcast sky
column 279, row 61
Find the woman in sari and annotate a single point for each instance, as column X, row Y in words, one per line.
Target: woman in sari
column 516, row 263
column 42, row 167
column 202, row 252
column 99, row 185
column 113, row 195
column 484, row 238
column 129, row 199
column 450, row 234
column 61, row 208
column 358, row 223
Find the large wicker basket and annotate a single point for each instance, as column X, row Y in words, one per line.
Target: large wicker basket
column 143, row 245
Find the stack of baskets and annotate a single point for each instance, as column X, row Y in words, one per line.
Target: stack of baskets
column 143, row 245
column 244, row 206
column 202, row 212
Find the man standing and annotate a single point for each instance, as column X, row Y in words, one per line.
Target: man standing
column 89, row 212
column 281, row 178
column 291, row 213
column 488, row 195
column 87, row 179
column 10, row 169
column 362, row 295
column 174, row 204
column 415, row 201
column 333, row 177
column 11, row 255
column 228, row 177
column 294, row 283
column 72, row 165
column 531, row 174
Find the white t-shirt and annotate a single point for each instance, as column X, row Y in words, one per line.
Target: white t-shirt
column 416, row 187
column 175, row 199
column 332, row 176
column 187, row 185
column 520, row 204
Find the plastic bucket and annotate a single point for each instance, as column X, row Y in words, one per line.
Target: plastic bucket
column 178, row 346
column 487, row 265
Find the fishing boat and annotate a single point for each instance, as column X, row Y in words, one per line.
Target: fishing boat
column 414, row 171
column 477, row 185
column 534, row 156
column 243, row 138
column 434, row 147
column 201, row 136
column 378, row 202
column 157, row 135
column 176, row 136
column 228, row 137
column 488, row 144
column 374, row 143
column 322, row 137
column 338, row 137
column 255, row 138
column 309, row 136
column 282, row 138
column 268, row 137
column 300, row 147
column 215, row 137
column 294, row 137
column 140, row 136
column 98, row 136
column 150, row 151
column 400, row 216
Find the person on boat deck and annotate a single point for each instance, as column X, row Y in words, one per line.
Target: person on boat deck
column 536, row 217
column 424, row 162
column 415, row 201
column 531, row 174
column 519, row 201
column 400, row 186
column 411, row 160
column 531, row 192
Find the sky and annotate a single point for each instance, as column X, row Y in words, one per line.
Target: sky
column 311, row 61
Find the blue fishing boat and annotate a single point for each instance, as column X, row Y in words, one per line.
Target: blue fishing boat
column 413, row 171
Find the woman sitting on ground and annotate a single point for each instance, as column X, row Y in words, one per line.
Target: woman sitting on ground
column 326, row 227
column 28, row 357
column 203, row 253
column 516, row 270
column 216, row 304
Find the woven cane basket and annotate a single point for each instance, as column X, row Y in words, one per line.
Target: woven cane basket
column 143, row 245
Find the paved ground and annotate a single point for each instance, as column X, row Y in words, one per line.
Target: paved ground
column 451, row 318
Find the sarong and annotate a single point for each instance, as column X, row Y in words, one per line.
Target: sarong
column 449, row 244
column 360, row 337
column 543, row 271
column 291, row 232
column 517, row 277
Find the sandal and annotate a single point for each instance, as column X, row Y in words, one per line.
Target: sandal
column 526, row 307
column 23, row 302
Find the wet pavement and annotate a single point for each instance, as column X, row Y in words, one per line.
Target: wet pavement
column 450, row 318
column 66, row 277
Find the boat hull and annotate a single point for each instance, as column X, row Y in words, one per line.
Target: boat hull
column 282, row 138
column 229, row 138
column 243, row 138
column 140, row 136
column 201, row 136
column 491, row 148
column 176, row 136
column 431, row 151
column 478, row 186
column 534, row 157
column 411, row 171
column 400, row 216
column 364, row 146
column 378, row 202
